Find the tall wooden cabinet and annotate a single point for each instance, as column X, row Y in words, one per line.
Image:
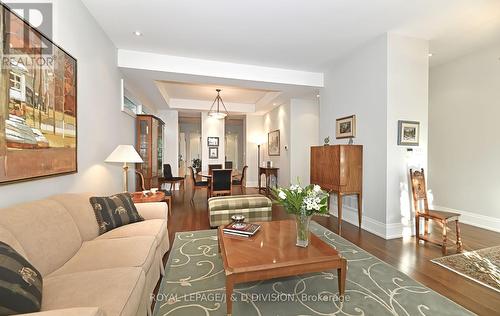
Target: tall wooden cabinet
column 339, row 169
column 149, row 145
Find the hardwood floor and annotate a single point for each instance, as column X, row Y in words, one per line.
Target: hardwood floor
column 402, row 253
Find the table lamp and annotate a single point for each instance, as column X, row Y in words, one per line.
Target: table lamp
column 125, row 154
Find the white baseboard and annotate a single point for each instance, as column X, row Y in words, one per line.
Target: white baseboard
column 386, row 231
column 478, row 220
column 350, row 215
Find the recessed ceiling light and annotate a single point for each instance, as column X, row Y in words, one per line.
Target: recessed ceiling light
column 274, row 103
column 430, row 54
column 138, row 33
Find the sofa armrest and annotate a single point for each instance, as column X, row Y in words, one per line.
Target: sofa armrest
column 80, row 311
column 156, row 210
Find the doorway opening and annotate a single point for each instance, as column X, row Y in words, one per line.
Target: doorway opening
column 189, row 141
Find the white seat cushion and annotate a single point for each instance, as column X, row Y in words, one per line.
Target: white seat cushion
column 116, row 291
column 152, row 227
column 112, row 253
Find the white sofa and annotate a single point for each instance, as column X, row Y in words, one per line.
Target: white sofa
column 85, row 274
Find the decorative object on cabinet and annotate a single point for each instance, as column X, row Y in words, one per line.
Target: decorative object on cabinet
column 327, row 140
column 346, row 127
column 150, row 147
column 38, row 104
column 271, row 175
column 408, row 133
column 273, row 143
column 339, row 169
column 124, row 154
column 419, row 192
column 213, row 141
column 213, row 152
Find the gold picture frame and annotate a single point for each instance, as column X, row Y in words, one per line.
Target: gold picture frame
column 346, row 127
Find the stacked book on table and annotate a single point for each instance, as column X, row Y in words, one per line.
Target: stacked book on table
column 241, row 229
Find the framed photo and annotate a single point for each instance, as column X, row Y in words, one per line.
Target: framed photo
column 213, row 141
column 346, row 127
column 273, row 143
column 213, row 152
column 408, row 133
column 38, row 112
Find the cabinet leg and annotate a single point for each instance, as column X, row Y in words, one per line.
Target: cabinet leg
column 339, row 211
column 360, row 208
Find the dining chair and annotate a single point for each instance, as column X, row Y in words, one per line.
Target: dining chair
column 240, row 182
column 221, row 182
column 196, row 184
column 169, row 178
column 419, row 190
column 140, row 178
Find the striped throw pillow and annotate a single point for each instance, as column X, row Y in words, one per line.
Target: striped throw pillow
column 20, row 283
column 114, row 211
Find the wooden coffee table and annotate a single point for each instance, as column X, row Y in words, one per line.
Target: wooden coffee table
column 272, row 253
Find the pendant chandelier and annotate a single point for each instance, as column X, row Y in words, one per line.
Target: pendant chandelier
column 217, row 113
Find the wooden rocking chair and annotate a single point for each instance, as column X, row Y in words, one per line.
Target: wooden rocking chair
column 420, row 194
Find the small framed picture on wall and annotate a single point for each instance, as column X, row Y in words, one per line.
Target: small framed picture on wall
column 408, row 133
column 273, row 143
column 213, row 152
column 213, row 141
column 346, row 127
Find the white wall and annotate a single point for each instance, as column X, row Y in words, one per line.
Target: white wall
column 464, row 142
column 382, row 82
column 211, row 127
column 171, row 139
column 279, row 118
column 101, row 124
column 358, row 85
column 304, row 133
column 407, row 99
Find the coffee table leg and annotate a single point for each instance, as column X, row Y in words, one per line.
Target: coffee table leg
column 229, row 294
column 342, row 274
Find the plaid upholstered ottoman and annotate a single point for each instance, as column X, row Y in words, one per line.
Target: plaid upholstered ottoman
column 255, row 208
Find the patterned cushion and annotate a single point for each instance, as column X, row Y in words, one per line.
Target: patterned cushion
column 114, row 211
column 20, row 283
column 255, row 208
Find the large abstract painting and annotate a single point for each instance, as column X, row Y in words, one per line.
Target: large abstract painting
column 38, row 108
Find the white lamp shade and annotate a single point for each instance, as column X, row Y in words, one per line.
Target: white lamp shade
column 124, row 153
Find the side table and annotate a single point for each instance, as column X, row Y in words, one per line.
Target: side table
column 139, row 197
column 268, row 172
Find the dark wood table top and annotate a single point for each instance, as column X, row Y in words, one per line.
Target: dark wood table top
column 273, row 246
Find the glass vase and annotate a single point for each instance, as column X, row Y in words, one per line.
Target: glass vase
column 302, row 222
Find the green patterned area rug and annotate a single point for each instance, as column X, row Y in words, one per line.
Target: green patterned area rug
column 194, row 285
